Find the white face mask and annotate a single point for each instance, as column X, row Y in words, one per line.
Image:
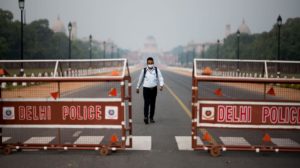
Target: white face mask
column 150, row 66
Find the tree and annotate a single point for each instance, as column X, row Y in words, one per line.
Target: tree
column 263, row 45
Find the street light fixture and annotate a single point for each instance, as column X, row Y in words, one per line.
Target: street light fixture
column 70, row 30
column 203, row 49
column 90, row 48
column 112, row 50
column 104, row 47
column 118, row 52
column 22, row 6
column 279, row 23
column 218, row 44
column 91, row 38
column 238, row 33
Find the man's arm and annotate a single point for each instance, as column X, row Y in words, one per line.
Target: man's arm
column 140, row 81
column 161, row 80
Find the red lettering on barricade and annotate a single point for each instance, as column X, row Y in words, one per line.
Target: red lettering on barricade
column 48, row 113
column 234, row 114
column 81, row 113
column 282, row 115
column 35, row 113
column 221, row 113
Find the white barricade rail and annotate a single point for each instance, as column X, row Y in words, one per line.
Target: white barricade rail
column 65, row 104
column 249, row 105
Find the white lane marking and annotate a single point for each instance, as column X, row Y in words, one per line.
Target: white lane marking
column 140, row 143
column 199, row 141
column 184, row 142
column 4, row 139
column 281, row 142
column 77, row 133
column 235, row 141
column 39, row 140
column 89, row 140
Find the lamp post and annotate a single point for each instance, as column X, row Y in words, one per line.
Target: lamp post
column 104, row 47
column 90, row 48
column 238, row 33
column 218, row 44
column 279, row 23
column 118, row 53
column 70, row 30
column 112, row 50
column 91, row 38
column 22, row 6
column 203, row 49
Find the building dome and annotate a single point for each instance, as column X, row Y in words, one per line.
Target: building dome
column 58, row 26
column 244, row 28
column 150, row 44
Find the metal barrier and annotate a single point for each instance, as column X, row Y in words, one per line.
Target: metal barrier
column 65, row 104
column 251, row 105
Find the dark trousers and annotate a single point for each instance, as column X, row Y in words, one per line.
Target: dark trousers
column 149, row 95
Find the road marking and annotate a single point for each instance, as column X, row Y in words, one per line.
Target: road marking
column 284, row 142
column 187, row 111
column 39, row 140
column 4, row 139
column 77, row 133
column 184, row 142
column 235, row 141
column 140, row 143
column 89, row 140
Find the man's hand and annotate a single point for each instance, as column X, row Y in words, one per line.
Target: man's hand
column 161, row 88
column 137, row 91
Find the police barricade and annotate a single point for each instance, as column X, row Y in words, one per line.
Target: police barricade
column 251, row 105
column 65, row 104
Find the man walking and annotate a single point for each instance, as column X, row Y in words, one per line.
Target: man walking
column 150, row 78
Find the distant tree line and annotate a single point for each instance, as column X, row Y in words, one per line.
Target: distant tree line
column 40, row 42
column 263, row 45
column 256, row 46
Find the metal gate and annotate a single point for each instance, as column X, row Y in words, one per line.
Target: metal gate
column 65, row 105
column 251, row 105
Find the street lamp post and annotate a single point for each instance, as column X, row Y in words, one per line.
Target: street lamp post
column 70, row 30
column 218, row 44
column 104, row 47
column 203, row 49
column 112, row 50
column 90, row 38
column 22, row 6
column 279, row 23
column 238, row 33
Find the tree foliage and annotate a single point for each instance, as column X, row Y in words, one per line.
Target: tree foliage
column 40, row 42
column 263, row 45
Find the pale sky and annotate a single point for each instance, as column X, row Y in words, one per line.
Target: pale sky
column 171, row 22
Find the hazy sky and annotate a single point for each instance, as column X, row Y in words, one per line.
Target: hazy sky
column 171, row 22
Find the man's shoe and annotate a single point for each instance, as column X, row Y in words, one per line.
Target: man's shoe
column 146, row 120
column 152, row 121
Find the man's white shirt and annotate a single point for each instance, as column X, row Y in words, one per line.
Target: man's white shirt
column 150, row 79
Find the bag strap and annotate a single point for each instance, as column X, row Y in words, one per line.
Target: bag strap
column 145, row 70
